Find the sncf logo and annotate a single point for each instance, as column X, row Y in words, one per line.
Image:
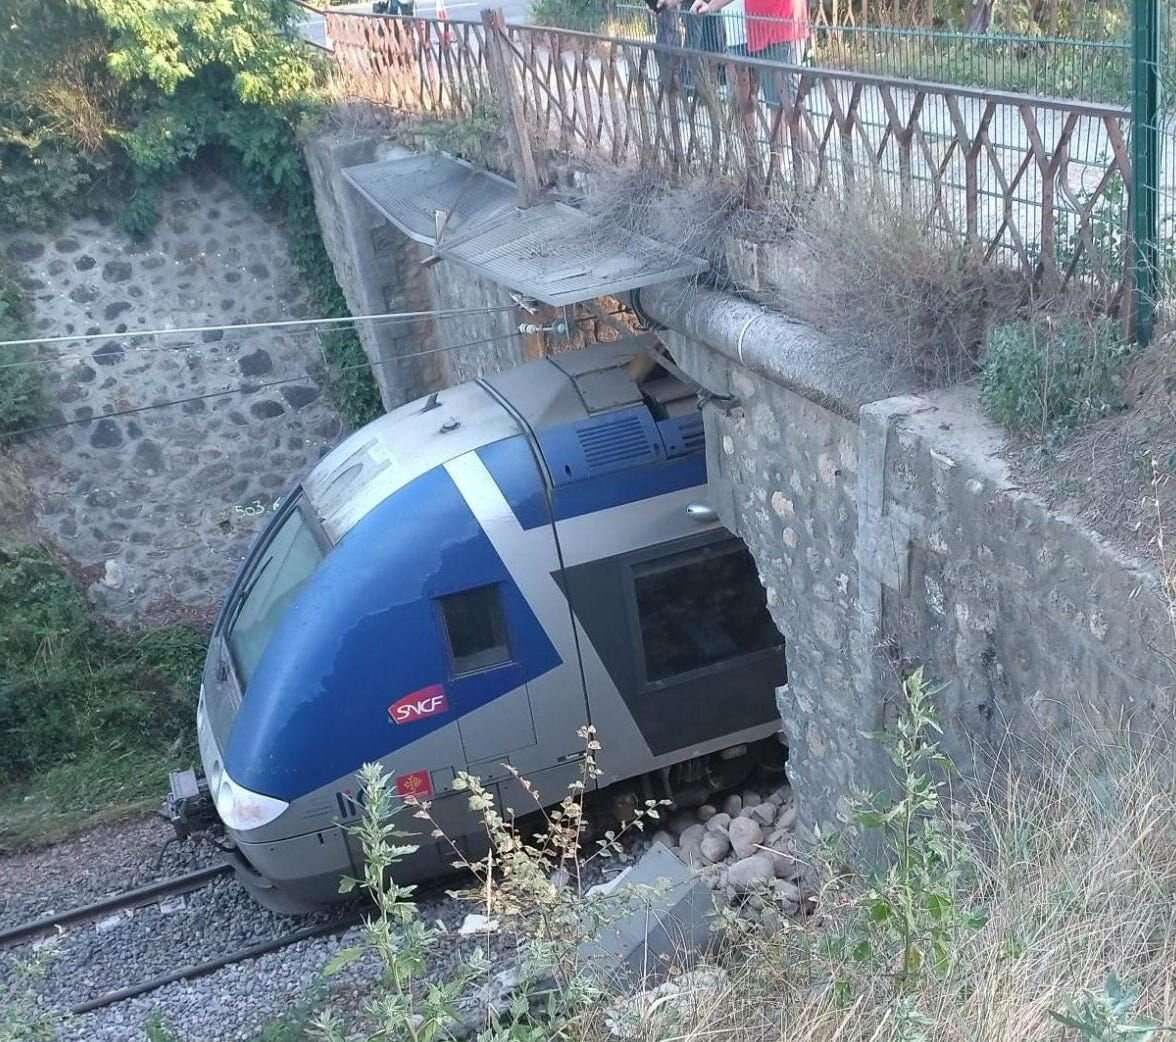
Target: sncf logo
column 428, row 701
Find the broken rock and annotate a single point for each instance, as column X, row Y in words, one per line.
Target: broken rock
column 714, row 846
column 719, row 823
column 745, row 835
column 764, row 813
column 750, row 873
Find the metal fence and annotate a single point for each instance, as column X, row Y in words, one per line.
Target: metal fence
column 1040, row 184
column 1061, row 67
column 1084, row 18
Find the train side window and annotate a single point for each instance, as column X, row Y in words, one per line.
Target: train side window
column 701, row 608
column 476, row 627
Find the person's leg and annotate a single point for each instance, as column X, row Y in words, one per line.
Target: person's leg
column 780, row 86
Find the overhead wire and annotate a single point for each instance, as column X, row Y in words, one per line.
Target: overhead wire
column 211, row 345
column 69, row 357
column 236, row 326
column 250, row 388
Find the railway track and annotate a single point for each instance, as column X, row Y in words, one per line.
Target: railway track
column 150, row 894
column 201, row 969
column 127, row 900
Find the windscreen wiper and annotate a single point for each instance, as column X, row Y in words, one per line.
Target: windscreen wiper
column 247, row 590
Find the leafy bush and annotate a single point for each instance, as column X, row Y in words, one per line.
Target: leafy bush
column 22, row 392
column 1045, row 377
column 585, row 15
column 101, row 104
column 101, row 101
column 70, row 685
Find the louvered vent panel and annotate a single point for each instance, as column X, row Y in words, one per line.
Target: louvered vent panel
column 693, row 433
column 614, row 444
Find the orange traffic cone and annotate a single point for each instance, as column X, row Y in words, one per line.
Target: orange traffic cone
column 443, row 16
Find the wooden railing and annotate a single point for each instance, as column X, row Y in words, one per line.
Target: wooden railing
column 1039, row 183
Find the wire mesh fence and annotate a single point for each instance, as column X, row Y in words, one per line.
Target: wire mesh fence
column 1063, row 67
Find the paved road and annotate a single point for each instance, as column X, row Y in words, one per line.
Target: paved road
column 518, row 11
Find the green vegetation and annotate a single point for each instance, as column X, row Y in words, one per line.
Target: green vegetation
column 90, row 717
column 21, row 1018
column 585, row 15
column 102, row 103
column 1046, row 376
column 22, row 392
column 1036, row 906
column 1052, row 68
column 914, row 912
column 349, row 379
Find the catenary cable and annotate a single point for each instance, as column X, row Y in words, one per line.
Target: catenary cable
column 273, row 324
column 79, row 356
column 241, row 389
column 68, row 358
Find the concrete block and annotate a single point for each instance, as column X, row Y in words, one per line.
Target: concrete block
column 654, row 929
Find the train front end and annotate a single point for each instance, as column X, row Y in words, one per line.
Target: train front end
column 326, row 618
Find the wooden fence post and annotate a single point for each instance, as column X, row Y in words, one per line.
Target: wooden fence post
column 745, row 108
column 498, row 62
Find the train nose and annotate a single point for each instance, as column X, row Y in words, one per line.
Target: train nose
column 239, row 809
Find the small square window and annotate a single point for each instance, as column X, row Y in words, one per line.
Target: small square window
column 476, row 628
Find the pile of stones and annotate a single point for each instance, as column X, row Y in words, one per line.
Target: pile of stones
column 745, row 850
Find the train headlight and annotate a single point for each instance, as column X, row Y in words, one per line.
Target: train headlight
column 240, row 809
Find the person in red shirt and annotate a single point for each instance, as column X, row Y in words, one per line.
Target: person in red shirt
column 777, row 30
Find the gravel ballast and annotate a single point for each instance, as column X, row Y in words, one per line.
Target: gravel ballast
column 238, row 1001
column 98, row 863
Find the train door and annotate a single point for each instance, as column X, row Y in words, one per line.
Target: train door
column 683, row 632
column 533, row 729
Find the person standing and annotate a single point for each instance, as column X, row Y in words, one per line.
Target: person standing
column 734, row 22
column 777, row 30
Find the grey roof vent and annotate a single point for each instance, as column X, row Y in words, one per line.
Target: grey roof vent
column 614, row 443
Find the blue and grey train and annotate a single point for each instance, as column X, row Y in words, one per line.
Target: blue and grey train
column 463, row 584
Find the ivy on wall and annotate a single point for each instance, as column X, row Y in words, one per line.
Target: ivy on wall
column 103, row 102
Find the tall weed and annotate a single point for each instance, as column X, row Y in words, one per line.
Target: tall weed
column 1045, row 377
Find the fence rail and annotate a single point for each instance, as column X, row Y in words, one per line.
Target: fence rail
column 1039, row 183
column 1067, row 67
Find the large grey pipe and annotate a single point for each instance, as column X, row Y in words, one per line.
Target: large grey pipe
column 767, row 342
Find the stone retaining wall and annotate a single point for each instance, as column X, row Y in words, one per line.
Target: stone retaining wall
column 158, row 503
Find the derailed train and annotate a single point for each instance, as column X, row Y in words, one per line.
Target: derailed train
column 460, row 586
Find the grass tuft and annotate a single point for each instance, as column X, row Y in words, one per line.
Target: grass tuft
column 91, row 716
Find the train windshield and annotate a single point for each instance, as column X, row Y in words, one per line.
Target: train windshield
column 280, row 571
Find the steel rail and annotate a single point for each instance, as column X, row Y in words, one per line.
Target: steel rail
column 201, row 969
column 136, row 898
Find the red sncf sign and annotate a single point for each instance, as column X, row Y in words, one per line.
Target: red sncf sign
column 418, row 784
column 428, row 701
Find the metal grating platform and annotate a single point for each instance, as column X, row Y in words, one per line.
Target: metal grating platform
column 550, row 252
column 410, row 191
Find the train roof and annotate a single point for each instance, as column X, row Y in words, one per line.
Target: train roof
column 545, row 399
